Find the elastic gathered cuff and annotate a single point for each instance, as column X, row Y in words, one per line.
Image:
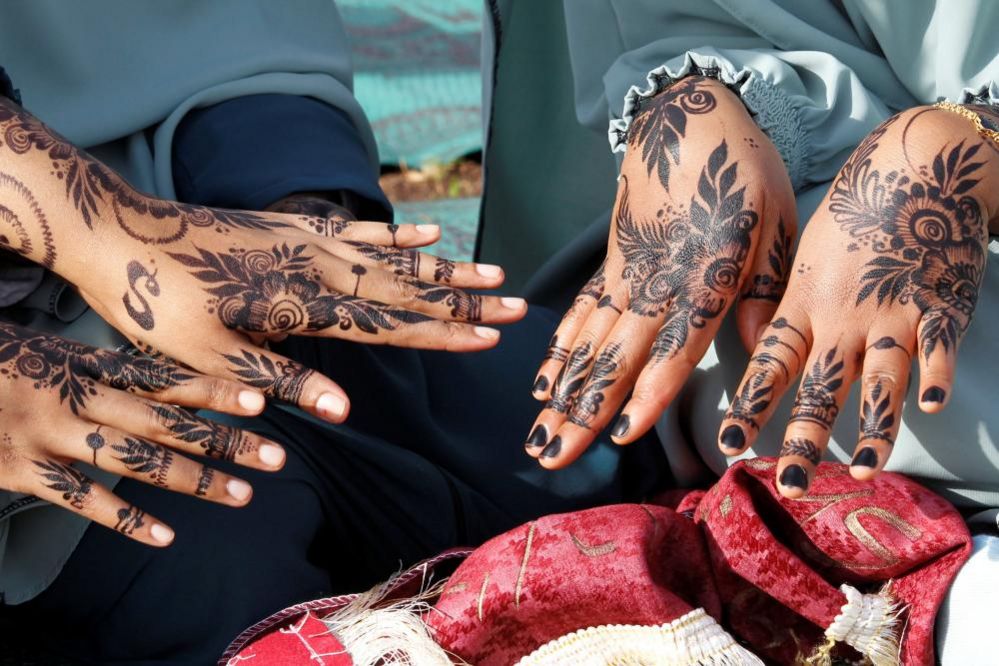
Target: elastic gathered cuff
column 772, row 109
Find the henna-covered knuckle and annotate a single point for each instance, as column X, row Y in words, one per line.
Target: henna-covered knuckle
column 816, row 401
column 801, row 447
column 771, row 284
column 608, row 367
column 279, row 378
column 877, row 419
column 75, row 487
column 570, row 379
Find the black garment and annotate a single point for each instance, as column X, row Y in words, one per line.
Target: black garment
column 432, row 458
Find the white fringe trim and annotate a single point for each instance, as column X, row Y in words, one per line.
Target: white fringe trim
column 694, row 639
column 870, row 624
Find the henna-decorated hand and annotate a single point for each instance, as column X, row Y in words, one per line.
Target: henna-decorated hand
column 704, row 212
column 119, row 413
column 889, row 266
column 204, row 286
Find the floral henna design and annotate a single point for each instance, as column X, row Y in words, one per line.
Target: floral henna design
column 74, row 485
column 281, row 379
column 661, row 121
column 591, row 394
column 403, row 261
column 280, row 290
column 816, row 399
column 75, row 369
column 690, row 262
column 23, row 226
column 770, row 286
column 928, row 234
column 218, row 441
column 144, row 457
column 464, row 306
column 443, row 270
column 129, row 520
column 205, row 477
column 800, row 446
column 876, row 418
column 571, row 378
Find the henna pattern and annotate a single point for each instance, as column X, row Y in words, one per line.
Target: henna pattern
column 464, row 306
column 591, row 394
column 800, row 446
column 661, row 121
column 205, row 477
column 770, row 286
column 96, row 442
column 594, row 287
column 280, row 290
column 876, row 418
column 556, row 353
column 571, row 378
column 443, row 270
column 129, row 520
column 74, row 485
column 816, row 399
column 75, row 369
column 281, row 379
column 136, row 272
column 23, row 226
column 218, row 441
column 143, row 457
column 689, row 263
column 403, row 261
column 926, row 230
column 323, row 216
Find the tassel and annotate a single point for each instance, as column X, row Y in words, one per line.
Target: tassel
column 394, row 634
column 869, row 623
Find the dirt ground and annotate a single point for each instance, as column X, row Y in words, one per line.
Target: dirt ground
column 458, row 180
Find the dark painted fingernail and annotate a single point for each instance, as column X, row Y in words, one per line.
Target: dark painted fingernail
column 539, row 437
column 866, row 457
column 553, row 449
column 794, row 476
column 934, row 394
column 540, row 384
column 733, row 437
column 621, row 427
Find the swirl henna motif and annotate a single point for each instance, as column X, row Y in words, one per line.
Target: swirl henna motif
column 23, row 226
column 927, row 231
column 136, row 272
column 279, row 290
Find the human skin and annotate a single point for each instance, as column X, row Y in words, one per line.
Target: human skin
column 704, row 219
column 207, row 287
column 889, row 267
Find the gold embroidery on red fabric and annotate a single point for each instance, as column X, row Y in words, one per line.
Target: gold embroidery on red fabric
column 831, row 499
column 759, row 463
column 726, row 505
column 482, row 595
column 523, row 565
column 852, row 522
column 597, row 550
column 455, row 588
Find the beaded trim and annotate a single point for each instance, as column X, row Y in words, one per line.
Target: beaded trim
column 976, row 120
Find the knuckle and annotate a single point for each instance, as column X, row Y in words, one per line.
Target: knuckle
column 885, row 377
column 216, row 392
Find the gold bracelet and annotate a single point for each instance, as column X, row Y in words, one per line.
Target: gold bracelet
column 975, row 119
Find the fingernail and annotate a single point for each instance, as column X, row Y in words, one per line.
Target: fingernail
column 794, row 476
column 866, row 457
column 540, row 384
column 487, row 333
column 553, row 449
column 733, row 438
column 539, row 437
column 427, row 228
column 621, row 427
column 488, row 270
column 161, row 533
column 934, row 394
column 330, row 405
column 251, row 401
column 239, row 490
column 271, row 455
column 511, row 303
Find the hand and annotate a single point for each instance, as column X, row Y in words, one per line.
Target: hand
column 117, row 412
column 889, row 266
column 204, row 286
column 704, row 212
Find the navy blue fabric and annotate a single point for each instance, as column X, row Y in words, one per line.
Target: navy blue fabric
column 248, row 152
column 7, row 87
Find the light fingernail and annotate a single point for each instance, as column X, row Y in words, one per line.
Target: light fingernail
column 488, row 270
column 330, row 405
column 239, row 490
column 487, row 333
column 427, row 228
column 161, row 533
column 251, row 401
column 511, row 303
column 271, row 455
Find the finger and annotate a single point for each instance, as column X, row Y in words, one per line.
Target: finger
column 939, row 334
column 776, row 361
column 135, row 457
column 434, row 300
column 376, row 233
column 604, row 389
column 68, row 487
column 426, row 267
column 182, row 430
column 567, row 332
column 280, row 378
column 829, row 371
column 767, row 279
column 168, row 382
column 882, row 385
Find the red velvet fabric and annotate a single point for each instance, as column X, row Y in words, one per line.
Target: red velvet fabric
column 766, row 567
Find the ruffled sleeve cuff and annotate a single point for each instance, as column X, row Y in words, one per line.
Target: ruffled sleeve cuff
column 987, row 93
column 775, row 111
